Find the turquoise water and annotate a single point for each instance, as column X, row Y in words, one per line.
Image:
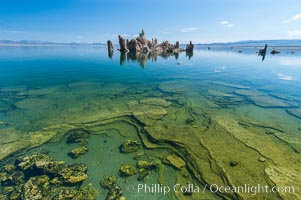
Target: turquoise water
column 172, row 105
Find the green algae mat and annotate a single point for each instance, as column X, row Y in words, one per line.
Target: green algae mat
column 77, row 125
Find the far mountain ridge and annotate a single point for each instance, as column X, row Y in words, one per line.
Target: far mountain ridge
column 38, row 42
column 280, row 42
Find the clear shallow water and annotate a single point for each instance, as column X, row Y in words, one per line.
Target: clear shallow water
column 191, row 107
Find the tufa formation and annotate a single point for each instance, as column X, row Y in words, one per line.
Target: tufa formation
column 142, row 45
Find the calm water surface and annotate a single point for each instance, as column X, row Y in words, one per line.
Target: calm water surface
column 211, row 109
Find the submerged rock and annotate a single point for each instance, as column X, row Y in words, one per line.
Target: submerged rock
column 149, row 165
column 115, row 194
column 156, row 102
column 174, row 161
column 143, row 173
column 74, row 173
column 40, row 162
column 36, row 188
column 127, row 170
column 9, row 168
column 76, row 152
column 129, row 146
column 84, row 193
column 275, row 52
column 261, row 159
column 109, row 182
column 39, row 176
column 11, row 178
column 78, row 135
column 233, row 163
column 145, row 168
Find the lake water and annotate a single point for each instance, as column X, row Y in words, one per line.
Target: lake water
column 217, row 117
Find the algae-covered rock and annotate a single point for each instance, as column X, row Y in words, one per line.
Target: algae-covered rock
column 149, row 165
column 263, row 100
column 56, row 181
column 145, row 167
column 175, row 86
column 154, row 114
column 84, row 193
column 127, row 170
column 9, row 168
column 40, row 162
column 109, row 182
column 174, row 161
column 156, row 102
column 287, row 179
column 114, row 194
column 129, row 146
column 74, row 173
column 39, row 176
column 157, row 113
column 143, row 173
column 36, row 188
column 78, row 135
column 29, row 162
column 88, row 192
column 11, row 178
column 11, row 193
column 76, row 152
column 66, row 193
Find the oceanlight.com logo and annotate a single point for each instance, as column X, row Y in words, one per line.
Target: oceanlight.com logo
column 214, row 188
column 247, row 188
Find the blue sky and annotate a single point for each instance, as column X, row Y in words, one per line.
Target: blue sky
column 183, row 20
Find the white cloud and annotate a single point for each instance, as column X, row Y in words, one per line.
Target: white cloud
column 224, row 22
column 186, row 30
column 227, row 24
column 294, row 33
column 294, row 18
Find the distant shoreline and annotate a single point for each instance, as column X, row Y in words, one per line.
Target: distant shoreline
column 199, row 45
column 41, row 45
column 248, row 46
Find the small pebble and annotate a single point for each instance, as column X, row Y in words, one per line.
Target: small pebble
column 269, row 132
column 261, row 159
column 187, row 193
column 233, row 163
